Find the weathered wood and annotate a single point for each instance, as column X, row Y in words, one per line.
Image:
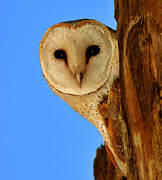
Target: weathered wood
column 139, row 32
column 104, row 168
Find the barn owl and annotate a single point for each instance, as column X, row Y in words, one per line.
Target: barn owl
column 80, row 62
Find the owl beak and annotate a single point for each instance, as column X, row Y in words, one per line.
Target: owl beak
column 79, row 78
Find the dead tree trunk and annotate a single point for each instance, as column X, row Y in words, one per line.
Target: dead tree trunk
column 139, row 32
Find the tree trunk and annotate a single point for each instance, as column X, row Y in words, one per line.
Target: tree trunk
column 139, row 32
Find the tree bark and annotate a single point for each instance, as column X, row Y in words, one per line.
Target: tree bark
column 139, row 32
column 104, row 168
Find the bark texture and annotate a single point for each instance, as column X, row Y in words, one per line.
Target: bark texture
column 104, row 168
column 139, row 32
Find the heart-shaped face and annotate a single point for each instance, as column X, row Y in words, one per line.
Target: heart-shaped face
column 76, row 57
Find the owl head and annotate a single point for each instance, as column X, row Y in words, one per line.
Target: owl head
column 80, row 62
column 77, row 56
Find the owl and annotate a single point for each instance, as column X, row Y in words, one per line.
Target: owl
column 80, row 62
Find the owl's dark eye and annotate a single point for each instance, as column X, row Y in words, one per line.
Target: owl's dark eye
column 60, row 54
column 92, row 51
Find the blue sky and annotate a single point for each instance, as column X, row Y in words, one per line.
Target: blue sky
column 41, row 137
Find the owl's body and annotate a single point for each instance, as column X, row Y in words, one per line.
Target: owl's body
column 80, row 62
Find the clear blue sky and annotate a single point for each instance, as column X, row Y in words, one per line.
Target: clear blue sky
column 41, row 137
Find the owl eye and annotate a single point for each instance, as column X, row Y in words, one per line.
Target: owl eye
column 60, row 54
column 92, row 51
